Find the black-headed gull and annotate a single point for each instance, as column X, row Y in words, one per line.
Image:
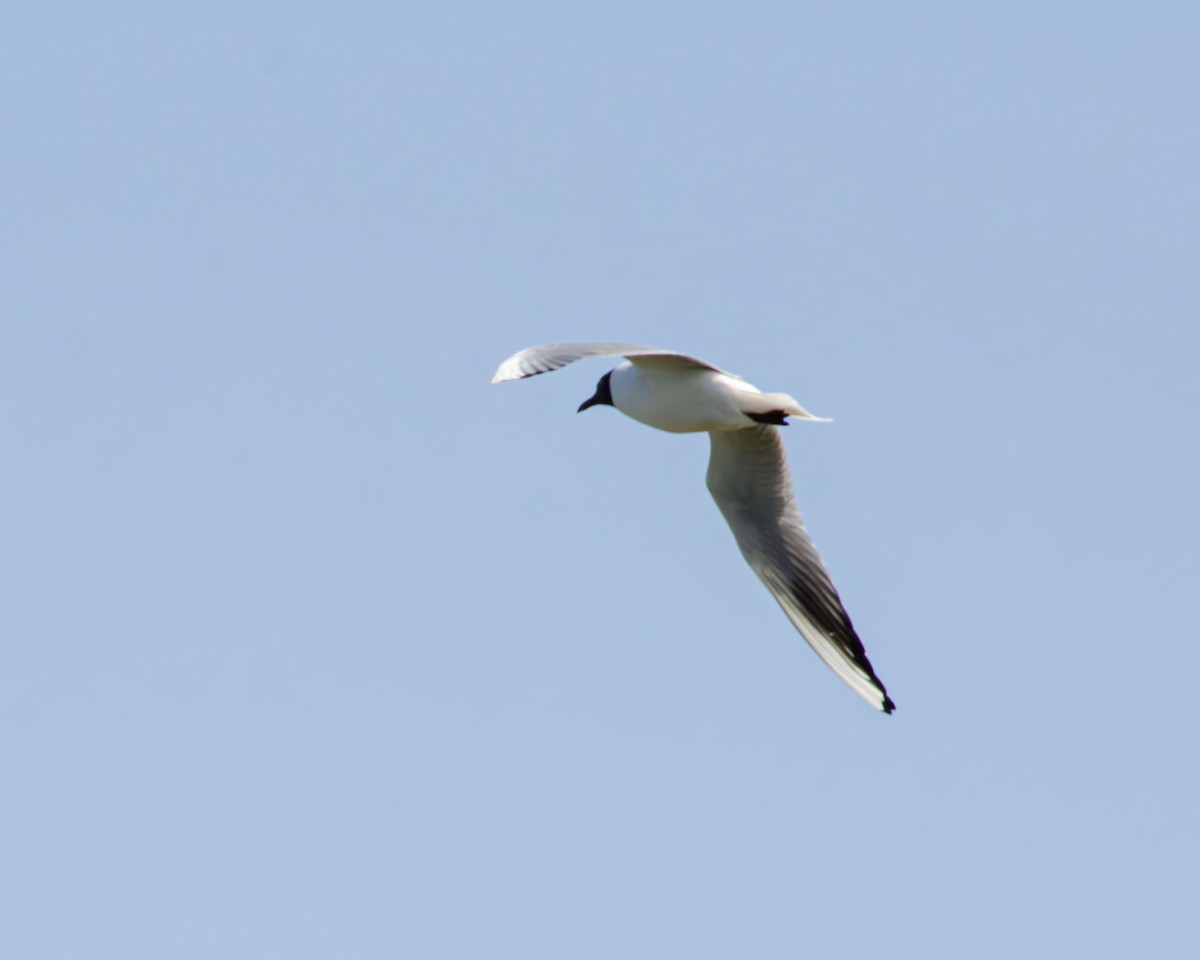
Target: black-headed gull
column 748, row 476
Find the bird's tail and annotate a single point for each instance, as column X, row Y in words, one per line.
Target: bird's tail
column 768, row 403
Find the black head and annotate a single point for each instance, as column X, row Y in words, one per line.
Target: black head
column 603, row 394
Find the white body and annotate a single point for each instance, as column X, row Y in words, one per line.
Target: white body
column 688, row 400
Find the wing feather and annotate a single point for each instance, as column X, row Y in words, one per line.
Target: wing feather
column 749, row 478
column 553, row 356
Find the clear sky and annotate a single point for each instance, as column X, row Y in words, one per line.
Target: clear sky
column 318, row 645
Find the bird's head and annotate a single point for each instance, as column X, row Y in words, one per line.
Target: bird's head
column 603, row 394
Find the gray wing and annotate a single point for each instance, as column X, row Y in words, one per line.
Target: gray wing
column 748, row 476
column 552, row 356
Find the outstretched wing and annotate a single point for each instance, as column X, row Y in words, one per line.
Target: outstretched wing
column 748, row 476
column 552, row 356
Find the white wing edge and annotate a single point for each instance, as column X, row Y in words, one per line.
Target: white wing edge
column 553, row 356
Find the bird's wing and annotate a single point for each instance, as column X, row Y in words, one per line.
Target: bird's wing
column 552, row 356
column 748, row 476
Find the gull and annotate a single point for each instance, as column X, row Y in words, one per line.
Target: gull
column 748, row 476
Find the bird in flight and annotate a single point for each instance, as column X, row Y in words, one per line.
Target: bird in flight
column 748, row 476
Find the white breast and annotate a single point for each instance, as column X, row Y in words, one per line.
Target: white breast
column 679, row 400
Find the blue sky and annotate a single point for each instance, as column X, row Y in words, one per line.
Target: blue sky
column 317, row 644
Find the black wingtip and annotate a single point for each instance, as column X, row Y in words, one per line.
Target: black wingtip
column 888, row 706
